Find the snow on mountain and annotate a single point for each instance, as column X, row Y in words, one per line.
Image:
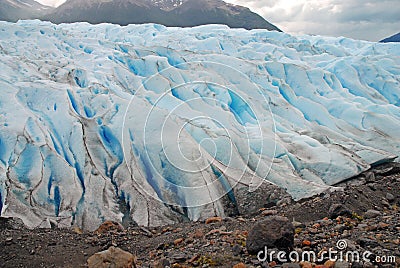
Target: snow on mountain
column 158, row 124
column 167, row 4
column 13, row 10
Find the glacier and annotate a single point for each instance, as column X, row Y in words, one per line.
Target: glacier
column 103, row 122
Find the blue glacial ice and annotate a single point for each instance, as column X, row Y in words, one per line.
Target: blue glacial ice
column 166, row 121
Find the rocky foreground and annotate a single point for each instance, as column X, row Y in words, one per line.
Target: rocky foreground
column 364, row 217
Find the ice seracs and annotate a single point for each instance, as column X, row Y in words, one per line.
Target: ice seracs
column 157, row 124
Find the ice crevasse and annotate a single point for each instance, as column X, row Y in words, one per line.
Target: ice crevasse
column 161, row 125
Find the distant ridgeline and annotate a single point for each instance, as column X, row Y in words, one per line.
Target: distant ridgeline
column 181, row 13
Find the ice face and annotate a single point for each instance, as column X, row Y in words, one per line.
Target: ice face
column 157, row 124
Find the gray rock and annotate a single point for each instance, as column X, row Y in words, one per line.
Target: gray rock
column 357, row 265
column 291, row 265
column 342, row 264
column 179, row 257
column 275, row 231
column 370, row 214
column 390, row 197
column 385, row 203
column 372, row 186
column 337, row 210
column 351, row 246
column 297, row 224
column 366, row 242
column 165, row 263
column 237, row 250
column 369, row 176
column 368, row 265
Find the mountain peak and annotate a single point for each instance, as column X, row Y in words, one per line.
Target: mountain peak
column 13, row 10
column 181, row 13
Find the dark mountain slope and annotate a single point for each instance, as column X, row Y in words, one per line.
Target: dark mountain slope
column 393, row 38
column 183, row 13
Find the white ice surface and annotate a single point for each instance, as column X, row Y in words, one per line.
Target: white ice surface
column 167, row 120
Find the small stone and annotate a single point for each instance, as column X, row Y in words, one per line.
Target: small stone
column 269, row 212
column 178, row 241
column 113, row 257
column 385, row 203
column 370, row 176
column 390, row 197
column 194, row 258
column 366, row 242
column 297, row 224
column 306, row 264
column 198, row 234
column 306, row 243
column 240, row 265
column 291, row 265
column 337, row 210
column 237, row 250
column 329, row 264
column 272, row 264
column 78, row 230
column 357, row 265
column 383, row 225
column 370, row 214
column 9, row 239
column 179, row 257
column 342, row 264
column 362, row 226
column 372, row 186
column 162, row 264
column 213, row 220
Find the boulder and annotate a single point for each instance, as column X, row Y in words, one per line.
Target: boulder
column 113, row 257
column 109, row 226
column 273, row 232
column 337, row 210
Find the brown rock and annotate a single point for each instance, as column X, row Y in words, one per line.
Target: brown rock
column 109, row 226
column 113, row 257
column 269, row 212
column 383, row 225
column 329, row 264
column 306, row 264
column 178, row 241
column 213, row 220
column 77, row 230
column 198, row 234
column 273, row 232
column 240, row 265
column 306, row 243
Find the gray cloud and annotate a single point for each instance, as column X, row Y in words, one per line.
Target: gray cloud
column 370, row 20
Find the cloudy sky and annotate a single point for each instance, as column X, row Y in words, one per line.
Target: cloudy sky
column 370, row 20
